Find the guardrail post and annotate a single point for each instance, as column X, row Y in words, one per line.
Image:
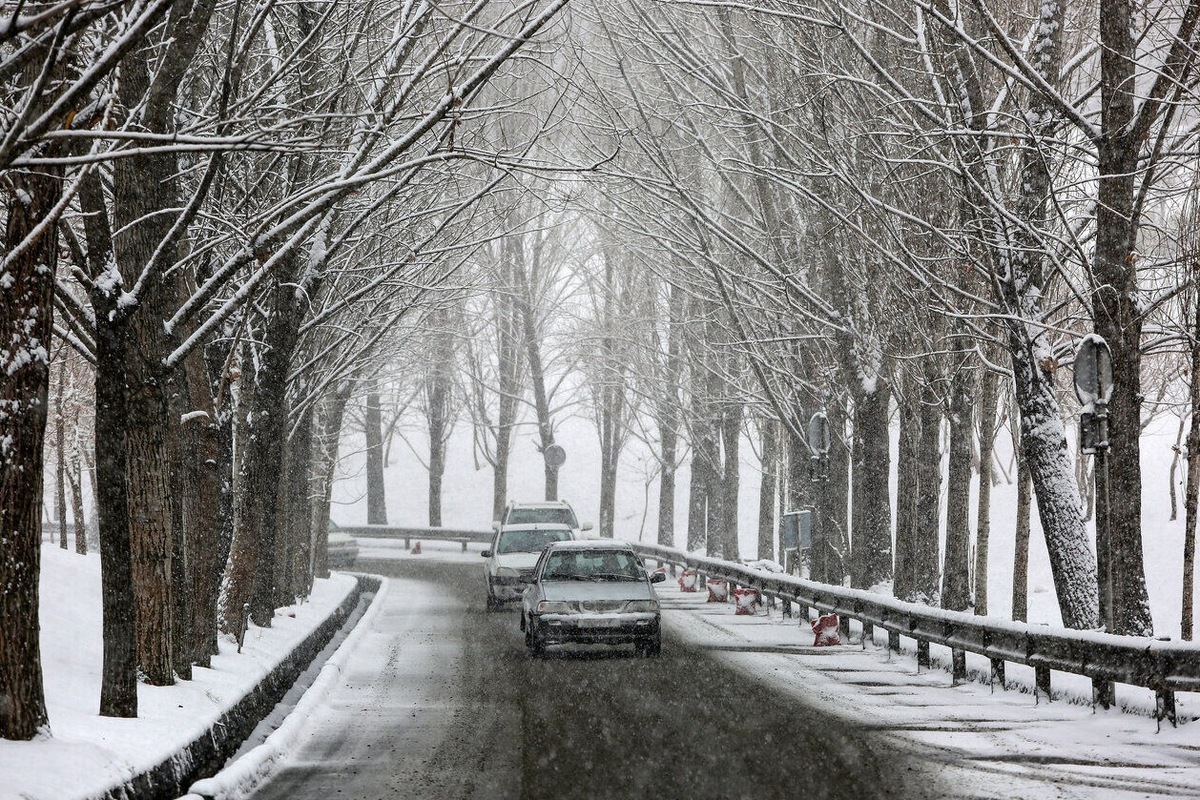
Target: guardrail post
column 464, row 544
column 1103, row 693
column 844, row 627
column 997, row 675
column 958, row 665
column 894, row 641
column 1041, row 681
column 407, row 542
column 1164, row 705
column 242, row 627
column 802, row 612
column 922, row 653
column 868, row 634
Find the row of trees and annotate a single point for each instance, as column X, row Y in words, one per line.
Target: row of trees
column 230, row 211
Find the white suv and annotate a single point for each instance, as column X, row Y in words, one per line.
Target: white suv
column 552, row 512
column 512, row 556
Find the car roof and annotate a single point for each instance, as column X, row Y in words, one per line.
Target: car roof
column 591, row 544
column 536, row 526
column 541, row 504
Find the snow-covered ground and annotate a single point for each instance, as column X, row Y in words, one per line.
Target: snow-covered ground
column 85, row 754
column 991, row 743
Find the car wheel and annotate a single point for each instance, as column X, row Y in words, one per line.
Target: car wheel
column 492, row 603
column 649, row 648
column 535, row 643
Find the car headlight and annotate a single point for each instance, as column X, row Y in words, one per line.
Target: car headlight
column 548, row 607
column 641, row 606
column 507, row 572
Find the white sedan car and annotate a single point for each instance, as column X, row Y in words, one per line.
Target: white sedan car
column 591, row 592
column 510, row 559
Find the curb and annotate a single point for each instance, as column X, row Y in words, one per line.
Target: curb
column 206, row 753
column 244, row 775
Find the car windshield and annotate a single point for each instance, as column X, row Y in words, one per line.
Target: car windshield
column 534, row 516
column 529, row 541
column 593, row 565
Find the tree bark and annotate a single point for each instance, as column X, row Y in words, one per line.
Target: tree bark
column 1192, row 488
column 904, row 586
column 1020, row 590
column 956, row 565
column 373, row 426
column 983, row 519
column 26, row 316
column 872, row 467
column 929, row 489
column 769, row 428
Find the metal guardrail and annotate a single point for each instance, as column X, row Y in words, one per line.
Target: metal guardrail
column 408, row 533
column 1164, row 667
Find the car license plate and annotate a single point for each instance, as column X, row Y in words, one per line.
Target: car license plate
column 604, row 622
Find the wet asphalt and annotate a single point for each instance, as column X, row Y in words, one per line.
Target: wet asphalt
column 446, row 703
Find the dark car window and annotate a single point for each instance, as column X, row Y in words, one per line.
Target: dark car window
column 534, row 516
column 529, row 541
column 592, row 565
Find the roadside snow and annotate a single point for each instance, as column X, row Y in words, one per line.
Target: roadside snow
column 85, row 754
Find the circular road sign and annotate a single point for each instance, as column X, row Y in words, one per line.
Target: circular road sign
column 555, row 456
column 818, row 433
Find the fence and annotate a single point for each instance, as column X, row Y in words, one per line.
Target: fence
column 1164, row 667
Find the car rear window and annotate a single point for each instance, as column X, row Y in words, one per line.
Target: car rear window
column 597, row 565
column 529, row 541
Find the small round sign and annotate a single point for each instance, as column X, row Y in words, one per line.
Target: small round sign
column 555, row 456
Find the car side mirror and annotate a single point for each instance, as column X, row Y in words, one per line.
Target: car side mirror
column 495, row 526
column 587, row 526
column 486, row 554
column 658, row 577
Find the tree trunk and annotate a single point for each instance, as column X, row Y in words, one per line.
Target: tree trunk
column 439, row 402
column 906, row 498
column 872, row 467
column 839, row 492
column 1020, row 590
column 731, row 432
column 537, row 372
column 329, row 428
column 26, row 315
column 263, row 461
column 202, row 506
column 1192, row 489
column 118, row 685
column 983, row 519
column 769, row 428
column 929, row 490
column 60, row 452
column 668, row 419
column 373, row 426
column 956, row 565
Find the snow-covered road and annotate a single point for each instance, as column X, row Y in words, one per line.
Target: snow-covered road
column 440, row 700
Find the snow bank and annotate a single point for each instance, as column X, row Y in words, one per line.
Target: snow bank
column 85, row 755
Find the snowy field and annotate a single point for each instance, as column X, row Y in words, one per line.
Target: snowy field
column 87, row 754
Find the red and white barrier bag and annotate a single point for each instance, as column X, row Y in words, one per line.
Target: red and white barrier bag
column 825, row 631
column 746, row 601
column 689, row 581
column 718, row 590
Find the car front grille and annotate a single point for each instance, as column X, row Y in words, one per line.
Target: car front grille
column 598, row 606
